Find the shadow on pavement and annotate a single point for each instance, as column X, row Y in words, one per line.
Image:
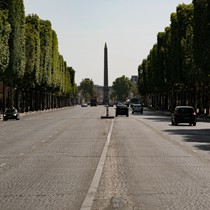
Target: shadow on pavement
column 190, row 133
column 200, row 136
column 158, row 116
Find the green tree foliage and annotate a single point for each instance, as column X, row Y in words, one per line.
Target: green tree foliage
column 208, row 35
column 55, row 61
column 29, row 58
column 161, row 68
column 62, row 66
column 143, row 83
column 16, row 18
column 32, row 69
column 68, row 86
column 46, row 52
column 170, row 63
column 121, row 88
column 5, row 30
column 175, row 49
column 176, row 71
column 87, row 88
column 72, row 76
column 201, row 38
column 185, row 17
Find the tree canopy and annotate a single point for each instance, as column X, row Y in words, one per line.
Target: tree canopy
column 179, row 61
column 29, row 59
column 5, row 30
column 121, row 88
column 87, row 89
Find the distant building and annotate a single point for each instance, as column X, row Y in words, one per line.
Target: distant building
column 100, row 92
column 134, row 79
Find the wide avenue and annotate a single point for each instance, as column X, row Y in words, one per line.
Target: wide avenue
column 52, row 161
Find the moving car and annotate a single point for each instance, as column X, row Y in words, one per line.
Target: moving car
column 137, row 108
column 93, row 101
column 11, row 113
column 133, row 101
column 183, row 114
column 121, row 109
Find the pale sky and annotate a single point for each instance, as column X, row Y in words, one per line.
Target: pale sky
column 129, row 27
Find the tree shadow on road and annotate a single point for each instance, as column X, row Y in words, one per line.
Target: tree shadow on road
column 199, row 136
column 190, row 133
column 155, row 116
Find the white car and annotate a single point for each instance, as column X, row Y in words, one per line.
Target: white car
column 84, row 105
column 137, row 108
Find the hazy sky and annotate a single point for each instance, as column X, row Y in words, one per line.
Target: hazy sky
column 129, row 27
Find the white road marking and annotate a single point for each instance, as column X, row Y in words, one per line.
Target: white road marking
column 21, row 154
column 89, row 198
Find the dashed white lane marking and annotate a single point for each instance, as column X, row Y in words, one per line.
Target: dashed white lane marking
column 3, row 164
column 21, row 154
column 88, row 201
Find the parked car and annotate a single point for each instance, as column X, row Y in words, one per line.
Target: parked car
column 137, row 108
column 183, row 114
column 121, row 109
column 11, row 113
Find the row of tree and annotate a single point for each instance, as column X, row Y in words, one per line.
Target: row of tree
column 122, row 89
column 177, row 69
column 33, row 72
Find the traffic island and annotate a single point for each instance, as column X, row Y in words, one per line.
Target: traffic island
column 107, row 114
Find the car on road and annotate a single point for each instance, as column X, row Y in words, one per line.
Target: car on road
column 137, row 108
column 121, row 109
column 93, row 101
column 183, row 114
column 11, row 113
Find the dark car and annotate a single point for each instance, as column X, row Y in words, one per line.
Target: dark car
column 122, row 109
column 11, row 113
column 183, row 114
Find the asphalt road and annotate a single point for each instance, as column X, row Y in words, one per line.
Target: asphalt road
column 52, row 160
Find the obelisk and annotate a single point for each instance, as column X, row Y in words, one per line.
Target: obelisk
column 106, row 88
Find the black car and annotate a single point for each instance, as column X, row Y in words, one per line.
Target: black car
column 183, row 114
column 11, row 113
column 122, row 109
